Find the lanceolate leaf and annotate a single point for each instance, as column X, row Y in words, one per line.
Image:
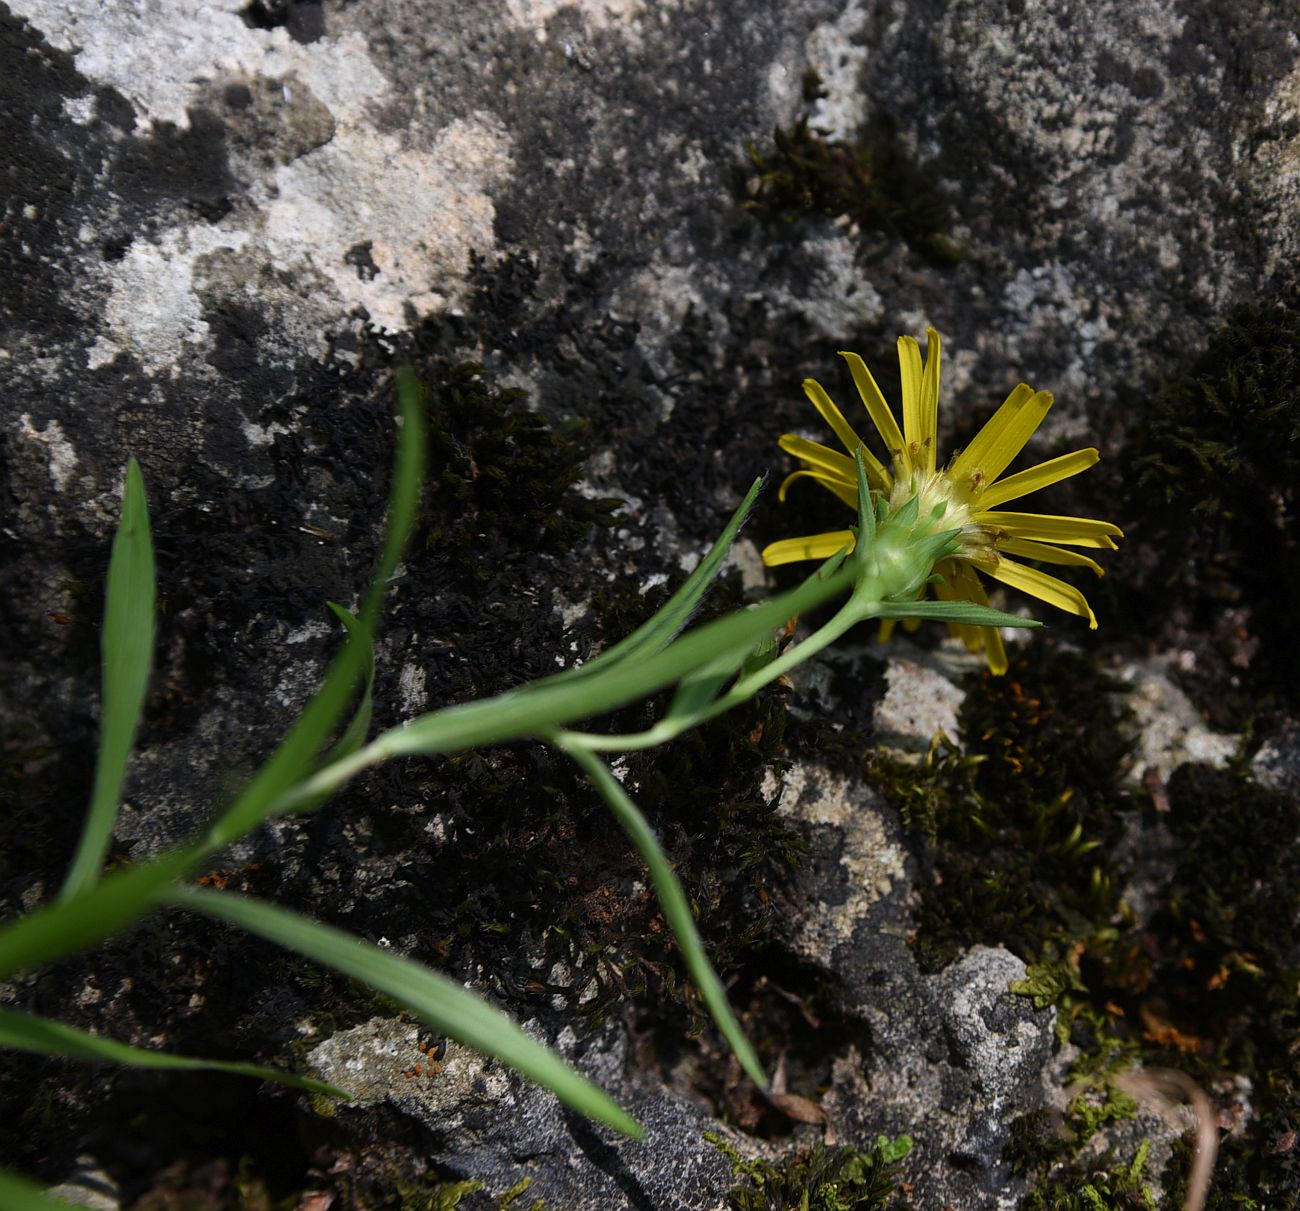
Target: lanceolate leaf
column 561, row 700
column 355, row 735
column 696, row 690
column 966, row 612
column 64, row 927
column 26, row 1033
column 442, row 1003
column 127, row 654
column 672, row 899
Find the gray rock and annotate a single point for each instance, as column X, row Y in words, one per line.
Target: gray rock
column 1001, row 1042
column 485, row 1123
column 213, row 230
column 88, row 1186
column 1277, row 764
column 1171, row 732
column 950, row 1058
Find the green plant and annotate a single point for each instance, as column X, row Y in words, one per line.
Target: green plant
column 93, row 906
column 820, row 1178
column 1102, row 1185
column 880, row 568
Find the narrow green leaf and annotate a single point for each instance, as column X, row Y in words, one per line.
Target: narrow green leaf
column 355, row 735
column 404, row 497
column 764, row 652
column 297, row 751
column 127, row 654
column 26, row 1033
column 442, row 1003
column 674, row 615
column 676, row 908
column 18, row 1194
column 967, row 612
column 545, row 705
column 697, row 689
column 558, row 701
column 67, row 926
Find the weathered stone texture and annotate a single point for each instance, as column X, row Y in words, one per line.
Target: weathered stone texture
column 212, row 231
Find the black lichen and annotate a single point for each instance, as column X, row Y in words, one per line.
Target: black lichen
column 1212, row 498
column 871, row 181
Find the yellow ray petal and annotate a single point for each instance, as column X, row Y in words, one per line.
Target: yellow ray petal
column 821, row 458
column 816, row 393
column 1005, row 435
column 849, row 495
column 995, row 651
column 990, row 638
column 1024, row 482
column 909, row 368
column 886, row 631
column 876, row 474
column 881, row 416
column 949, row 590
column 815, row 546
column 930, row 398
column 1045, row 527
column 1044, row 587
column 1041, row 551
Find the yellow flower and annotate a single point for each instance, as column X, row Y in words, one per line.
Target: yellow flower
column 967, row 493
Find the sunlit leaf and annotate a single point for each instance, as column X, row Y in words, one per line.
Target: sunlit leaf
column 23, row 1032
column 441, row 1003
column 127, row 654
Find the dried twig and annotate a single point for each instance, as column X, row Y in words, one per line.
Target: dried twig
column 1166, row 1091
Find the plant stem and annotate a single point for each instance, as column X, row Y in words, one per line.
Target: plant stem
column 744, row 689
column 542, row 707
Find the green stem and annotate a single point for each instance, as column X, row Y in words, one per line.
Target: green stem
column 539, row 708
column 744, row 689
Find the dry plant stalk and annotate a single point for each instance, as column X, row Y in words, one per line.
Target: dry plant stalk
column 1166, row 1091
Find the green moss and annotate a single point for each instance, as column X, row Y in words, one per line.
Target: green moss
column 871, row 181
column 1224, row 435
column 820, row 1179
column 1257, row 1169
column 500, row 476
column 1208, row 985
column 1014, row 837
column 1047, row 1144
column 446, row 1198
column 1046, row 983
column 1233, row 895
column 1104, row 1184
column 1213, row 475
column 1221, row 995
column 1016, row 840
